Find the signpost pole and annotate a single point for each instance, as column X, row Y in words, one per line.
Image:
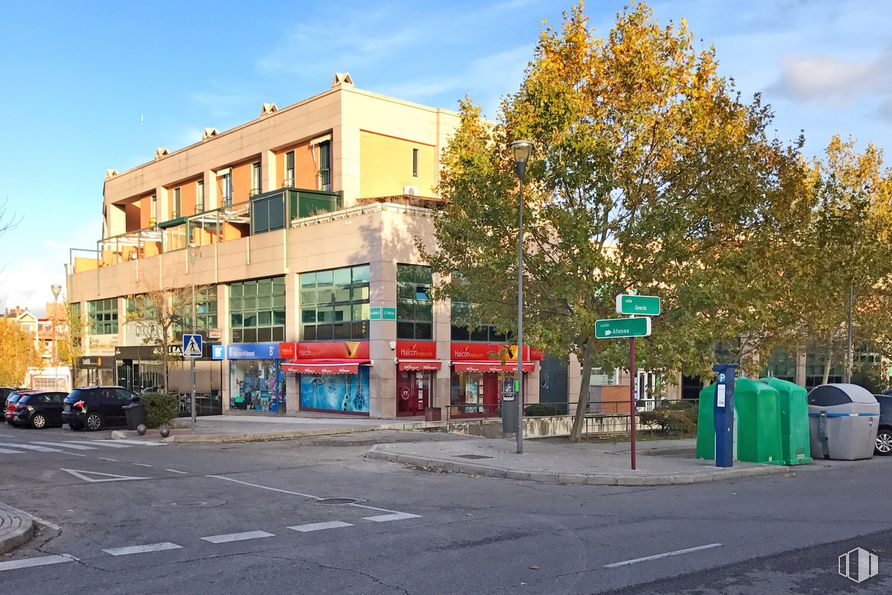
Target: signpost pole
column 633, row 410
column 192, row 359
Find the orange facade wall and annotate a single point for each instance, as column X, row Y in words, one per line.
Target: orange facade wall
column 241, row 182
column 188, row 191
column 132, row 217
column 304, row 166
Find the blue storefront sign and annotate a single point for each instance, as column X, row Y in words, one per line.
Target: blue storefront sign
column 253, row 351
column 218, row 352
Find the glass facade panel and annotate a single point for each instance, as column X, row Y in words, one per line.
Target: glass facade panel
column 256, row 315
column 103, row 316
column 335, row 304
column 414, row 307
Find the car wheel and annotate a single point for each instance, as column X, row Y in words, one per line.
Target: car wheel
column 884, row 442
column 93, row 421
column 38, row 421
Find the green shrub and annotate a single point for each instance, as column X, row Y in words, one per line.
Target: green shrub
column 539, row 410
column 674, row 418
column 160, row 409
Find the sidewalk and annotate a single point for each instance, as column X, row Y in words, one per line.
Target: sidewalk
column 16, row 528
column 660, row 462
column 216, row 429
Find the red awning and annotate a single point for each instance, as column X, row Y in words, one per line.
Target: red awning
column 492, row 366
column 421, row 365
column 323, row 366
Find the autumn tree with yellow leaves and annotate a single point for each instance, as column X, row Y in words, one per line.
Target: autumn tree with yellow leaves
column 650, row 173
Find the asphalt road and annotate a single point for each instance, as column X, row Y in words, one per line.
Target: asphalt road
column 254, row 518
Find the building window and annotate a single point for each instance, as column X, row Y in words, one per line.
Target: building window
column 334, row 304
column 177, row 204
column 153, row 210
column 414, row 308
column 257, row 310
column 414, row 163
column 484, row 333
column 781, row 364
column 325, row 166
column 199, row 196
column 227, row 189
column 268, row 213
column 103, row 316
column 289, row 170
column 205, row 312
column 815, row 359
column 255, row 178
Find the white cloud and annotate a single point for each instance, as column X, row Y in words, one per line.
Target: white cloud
column 834, row 81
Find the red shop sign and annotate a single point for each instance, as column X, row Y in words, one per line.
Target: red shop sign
column 286, row 350
column 333, row 350
column 484, row 351
column 416, row 350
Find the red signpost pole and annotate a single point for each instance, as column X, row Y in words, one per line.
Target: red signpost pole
column 633, row 410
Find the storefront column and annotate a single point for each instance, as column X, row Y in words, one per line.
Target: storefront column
column 292, row 335
column 223, row 323
column 382, row 342
column 443, row 337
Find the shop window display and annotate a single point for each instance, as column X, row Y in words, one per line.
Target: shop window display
column 257, row 385
column 336, row 392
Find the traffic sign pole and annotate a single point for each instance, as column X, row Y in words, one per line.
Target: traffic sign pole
column 633, row 408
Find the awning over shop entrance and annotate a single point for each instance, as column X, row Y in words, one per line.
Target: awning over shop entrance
column 492, row 366
column 424, row 365
column 323, row 366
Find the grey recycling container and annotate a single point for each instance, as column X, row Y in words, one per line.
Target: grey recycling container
column 843, row 420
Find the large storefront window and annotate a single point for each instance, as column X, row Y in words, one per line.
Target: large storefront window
column 815, row 360
column 485, row 333
column 256, row 385
column 476, row 393
column 781, row 364
column 257, row 310
column 348, row 393
column 334, row 304
column 103, row 316
column 414, row 309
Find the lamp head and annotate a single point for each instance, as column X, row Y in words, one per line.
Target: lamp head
column 521, row 150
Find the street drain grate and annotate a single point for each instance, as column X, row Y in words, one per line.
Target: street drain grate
column 197, row 503
column 340, row 500
column 473, row 457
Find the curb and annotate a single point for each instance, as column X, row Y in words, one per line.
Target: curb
column 276, row 436
column 572, row 478
column 16, row 528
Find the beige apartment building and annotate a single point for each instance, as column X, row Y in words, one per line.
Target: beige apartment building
column 297, row 231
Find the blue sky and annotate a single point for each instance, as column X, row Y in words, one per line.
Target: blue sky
column 94, row 85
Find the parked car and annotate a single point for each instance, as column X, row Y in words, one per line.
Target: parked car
column 40, row 409
column 96, row 407
column 4, row 392
column 884, row 435
column 9, row 409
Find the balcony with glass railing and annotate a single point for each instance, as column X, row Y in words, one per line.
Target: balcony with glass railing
column 264, row 212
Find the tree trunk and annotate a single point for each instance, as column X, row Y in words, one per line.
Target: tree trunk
column 828, row 363
column 582, row 404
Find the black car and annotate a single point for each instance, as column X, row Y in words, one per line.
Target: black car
column 96, row 407
column 40, row 409
column 9, row 408
column 884, row 435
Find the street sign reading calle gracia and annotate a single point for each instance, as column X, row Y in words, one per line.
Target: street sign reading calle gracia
column 638, row 305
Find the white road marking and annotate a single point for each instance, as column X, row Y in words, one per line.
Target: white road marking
column 31, row 447
column 64, row 445
column 142, row 549
column 254, row 485
column 6, row 451
column 238, row 536
column 110, row 460
column 396, row 516
column 664, row 555
column 320, row 526
column 175, row 471
column 32, row 562
column 142, row 464
column 97, row 443
column 132, row 442
column 103, row 477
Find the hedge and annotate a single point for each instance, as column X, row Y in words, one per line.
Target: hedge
column 538, row 410
column 160, row 409
column 677, row 418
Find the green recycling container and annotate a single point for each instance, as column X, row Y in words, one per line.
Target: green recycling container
column 706, row 424
column 757, row 406
column 794, row 421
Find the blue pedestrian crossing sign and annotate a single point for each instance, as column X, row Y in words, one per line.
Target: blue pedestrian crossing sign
column 191, row 346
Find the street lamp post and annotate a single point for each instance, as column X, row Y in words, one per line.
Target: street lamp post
column 521, row 150
column 56, row 289
column 193, row 256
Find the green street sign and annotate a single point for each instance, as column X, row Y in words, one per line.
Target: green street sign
column 375, row 313
column 388, row 313
column 638, row 305
column 622, row 328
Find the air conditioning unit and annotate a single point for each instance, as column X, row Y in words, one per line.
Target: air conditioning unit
column 410, row 190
